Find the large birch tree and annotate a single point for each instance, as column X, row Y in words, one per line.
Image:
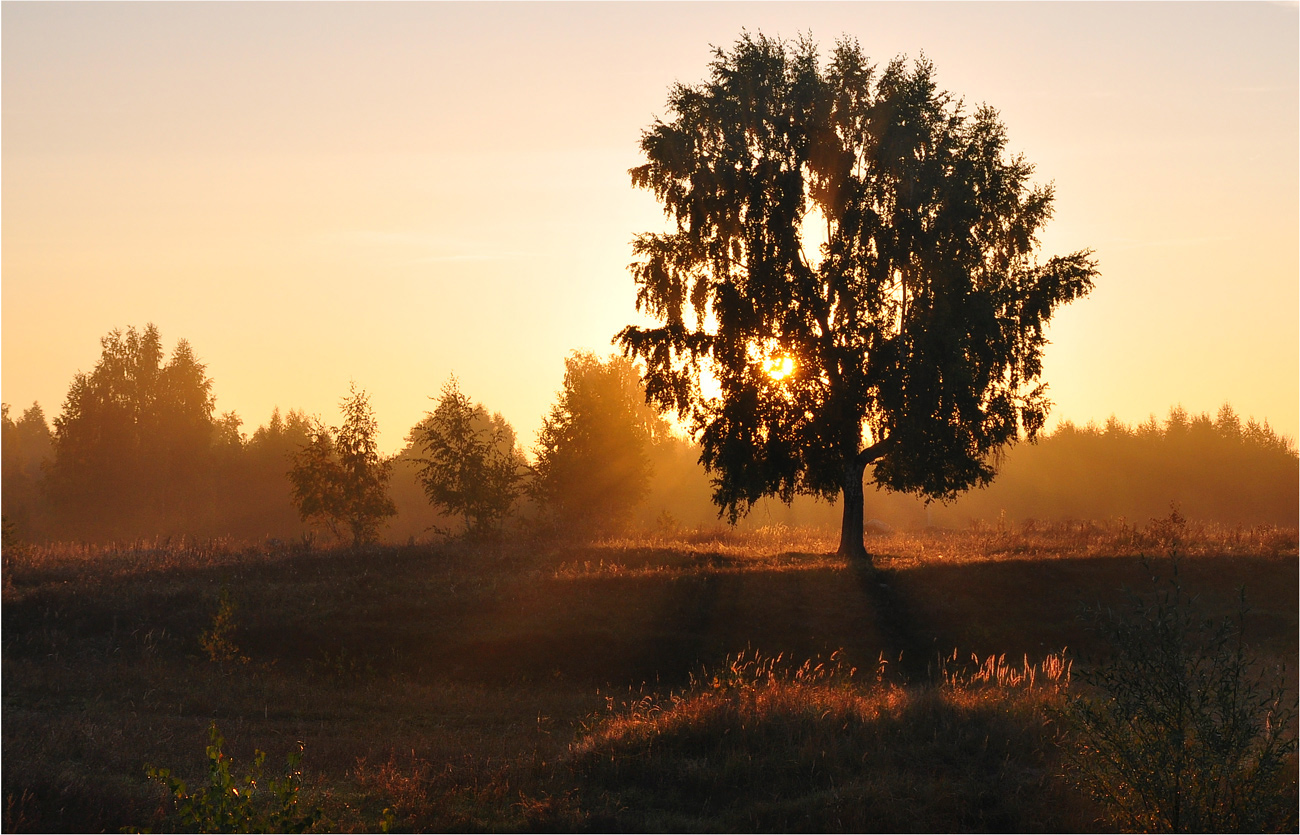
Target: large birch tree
column 850, row 279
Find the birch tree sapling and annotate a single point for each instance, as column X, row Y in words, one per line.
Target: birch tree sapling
column 471, row 467
column 339, row 478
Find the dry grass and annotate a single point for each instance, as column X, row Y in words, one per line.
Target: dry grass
column 765, row 746
column 780, row 547
column 448, row 682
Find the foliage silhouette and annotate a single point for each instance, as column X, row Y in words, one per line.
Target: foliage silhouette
column 128, row 470
column 593, row 451
column 25, row 445
column 1188, row 732
column 913, row 343
column 131, row 446
column 339, row 478
column 255, row 495
column 471, row 465
column 1214, row 467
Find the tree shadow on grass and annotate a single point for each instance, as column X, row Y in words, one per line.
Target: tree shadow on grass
column 905, row 651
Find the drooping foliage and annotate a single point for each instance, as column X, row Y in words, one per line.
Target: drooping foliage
column 593, row 451
column 471, row 465
column 339, row 478
column 853, row 256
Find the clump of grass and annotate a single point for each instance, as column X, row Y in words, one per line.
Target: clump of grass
column 342, row 667
column 763, row 744
column 1053, row 673
column 767, row 541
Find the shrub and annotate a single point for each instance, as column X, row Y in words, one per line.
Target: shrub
column 239, row 804
column 1185, row 732
column 217, row 641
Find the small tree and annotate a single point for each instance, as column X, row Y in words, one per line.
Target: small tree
column 472, row 467
column 317, row 478
column 593, row 463
column 339, row 478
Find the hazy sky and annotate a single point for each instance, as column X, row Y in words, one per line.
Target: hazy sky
column 390, row 193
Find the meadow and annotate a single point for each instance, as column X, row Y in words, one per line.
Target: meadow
column 710, row 680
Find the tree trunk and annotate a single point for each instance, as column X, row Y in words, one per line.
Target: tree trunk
column 851, row 533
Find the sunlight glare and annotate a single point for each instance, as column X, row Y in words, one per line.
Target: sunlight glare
column 778, row 368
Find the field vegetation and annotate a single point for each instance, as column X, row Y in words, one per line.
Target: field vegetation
column 681, row 679
column 471, row 635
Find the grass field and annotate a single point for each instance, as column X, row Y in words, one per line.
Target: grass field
column 643, row 683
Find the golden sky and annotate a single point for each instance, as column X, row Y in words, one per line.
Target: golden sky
column 390, row 193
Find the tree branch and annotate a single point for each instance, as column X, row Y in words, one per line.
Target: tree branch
column 875, row 452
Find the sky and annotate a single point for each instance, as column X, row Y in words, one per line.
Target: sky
column 389, row 194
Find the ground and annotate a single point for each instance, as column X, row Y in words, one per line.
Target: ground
column 465, row 686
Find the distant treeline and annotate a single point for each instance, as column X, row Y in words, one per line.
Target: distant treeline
column 1215, row 470
column 1220, row 470
column 138, row 451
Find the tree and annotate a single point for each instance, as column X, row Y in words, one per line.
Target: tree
column 132, row 444
column 27, row 445
column 593, row 464
column 257, row 497
column 910, row 339
column 181, row 429
column 338, row 477
column 471, row 465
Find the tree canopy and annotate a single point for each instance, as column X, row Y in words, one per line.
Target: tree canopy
column 25, row 445
column 132, row 442
column 853, row 257
column 471, row 466
column 593, row 451
column 339, row 478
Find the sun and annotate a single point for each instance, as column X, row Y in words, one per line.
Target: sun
column 778, row 368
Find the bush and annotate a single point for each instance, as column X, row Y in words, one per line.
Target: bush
column 1186, row 732
column 218, row 642
column 231, row 804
